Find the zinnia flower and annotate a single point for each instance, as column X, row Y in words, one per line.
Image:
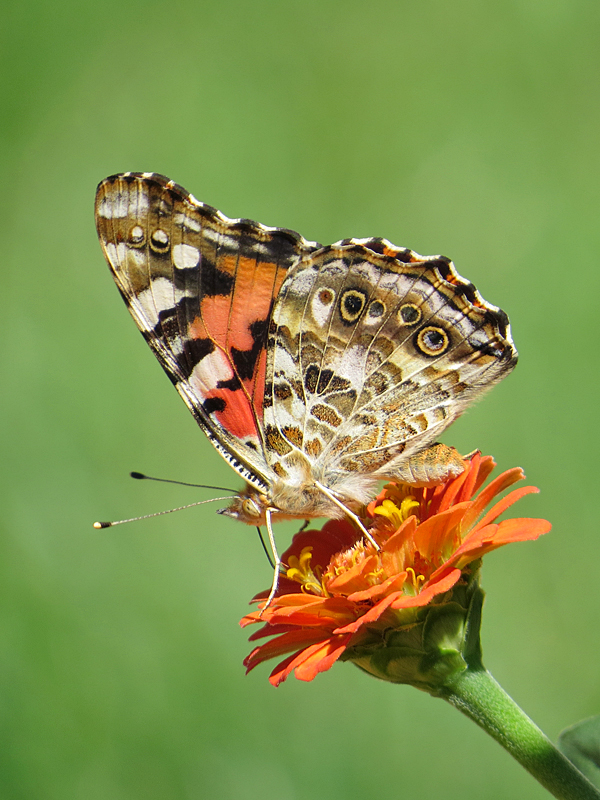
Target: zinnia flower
column 400, row 612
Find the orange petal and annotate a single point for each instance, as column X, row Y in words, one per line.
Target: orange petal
column 487, row 494
column 320, row 656
column 481, row 467
column 467, row 490
column 486, row 466
column 282, row 670
column 506, row 502
column 405, row 531
column 432, row 535
column 354, row 579
column 453, row 488
column 270, row 630
column 484, row 540
column 371, row 616
column 286, row 643
column 395, row 583
column 520, row 529
column 325, row 613
column 474, row 546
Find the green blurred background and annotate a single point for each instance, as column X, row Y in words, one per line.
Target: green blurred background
column 465, row 128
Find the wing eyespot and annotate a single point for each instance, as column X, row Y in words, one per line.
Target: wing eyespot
column 409, row 314
column 352, row 303
column 326, row 296
column 432, row 341
column 376, row 309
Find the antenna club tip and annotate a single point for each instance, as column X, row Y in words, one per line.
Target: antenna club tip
column 99, row 525
column 139, row 476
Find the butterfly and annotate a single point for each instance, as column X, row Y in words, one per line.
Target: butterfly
column 315, row 371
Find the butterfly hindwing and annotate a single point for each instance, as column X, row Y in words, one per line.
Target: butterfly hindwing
column 385, row 348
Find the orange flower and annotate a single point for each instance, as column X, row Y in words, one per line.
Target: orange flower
column 341, row 597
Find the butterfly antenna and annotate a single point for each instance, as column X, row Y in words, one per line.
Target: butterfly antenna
column 139, row 476
column 99, row 525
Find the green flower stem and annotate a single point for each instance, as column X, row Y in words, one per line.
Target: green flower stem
column 482, row 699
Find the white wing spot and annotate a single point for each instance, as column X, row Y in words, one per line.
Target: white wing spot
column 160, row 237
column 220, row 238
column 160, row 296
column 283, row 363
column 187, row 222
column 301, row 283
column 351, row 366
column 120, row 205
column 136, row 235
column 116, row 253
column 207, row 373
column 321, row 306
column 176, row 344
column 185, row 256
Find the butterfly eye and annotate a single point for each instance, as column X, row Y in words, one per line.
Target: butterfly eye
column 432, row 341
column 136, row 236
column 159, row 241
column 352, row 304
column 250, row 507
column 409, row 314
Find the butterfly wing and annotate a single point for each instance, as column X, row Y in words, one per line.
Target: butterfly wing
column 200, row 287
column 385, row 349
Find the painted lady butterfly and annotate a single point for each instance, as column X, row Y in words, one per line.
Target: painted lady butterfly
column 314, row 371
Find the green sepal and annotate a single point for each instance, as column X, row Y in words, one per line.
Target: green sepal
column 425, row 647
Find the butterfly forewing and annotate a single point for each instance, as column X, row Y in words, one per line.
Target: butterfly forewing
column 200, row 288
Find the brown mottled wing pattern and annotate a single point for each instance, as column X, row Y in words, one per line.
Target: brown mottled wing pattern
column 200, row 287
column 373, row 351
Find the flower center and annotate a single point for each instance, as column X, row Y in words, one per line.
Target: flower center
column 414, row 581
column 397, row 513
column 300, row 570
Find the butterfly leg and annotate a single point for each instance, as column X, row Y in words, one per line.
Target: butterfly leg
column 348, row 513
column 276, row 559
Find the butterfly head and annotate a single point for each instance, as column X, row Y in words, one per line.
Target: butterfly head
column 248, row 506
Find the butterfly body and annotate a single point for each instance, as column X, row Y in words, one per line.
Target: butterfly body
column 315, row 371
